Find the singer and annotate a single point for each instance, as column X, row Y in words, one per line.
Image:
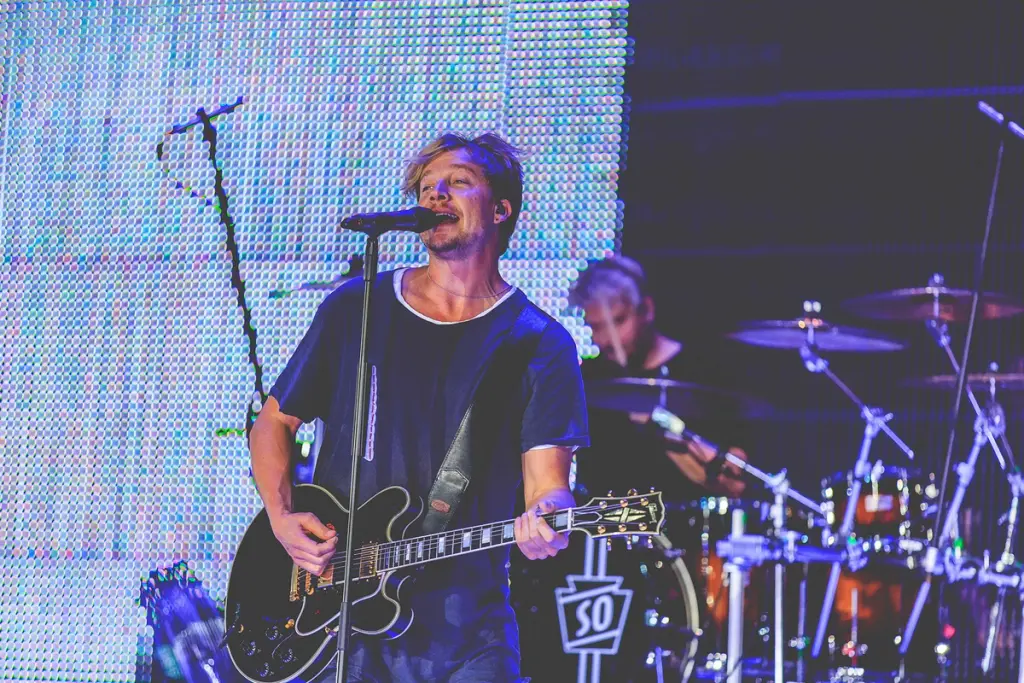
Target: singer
column 435, row 332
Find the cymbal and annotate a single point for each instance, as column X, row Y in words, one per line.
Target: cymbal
column 687, row 400
column 793, row 334
column 933, row 302
column 981, row 381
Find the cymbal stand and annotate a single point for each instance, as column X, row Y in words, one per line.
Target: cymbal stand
column 940, row 332
column 989, row 424
column 996, row 438
column 874, row 421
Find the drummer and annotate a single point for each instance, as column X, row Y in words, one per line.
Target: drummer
column 627, row 451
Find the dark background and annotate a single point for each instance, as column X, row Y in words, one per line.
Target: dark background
column 788, row 151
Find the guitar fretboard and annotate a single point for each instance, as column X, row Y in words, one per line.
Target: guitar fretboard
column 413, row 551
column 601, row 517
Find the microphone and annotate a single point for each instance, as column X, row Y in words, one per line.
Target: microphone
column 417, row 219
column 1001, row 120
column 195, row 121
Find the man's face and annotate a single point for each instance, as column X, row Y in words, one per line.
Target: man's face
column 455, row 185
column 618, row 319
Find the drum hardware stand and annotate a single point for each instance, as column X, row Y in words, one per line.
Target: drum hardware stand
column 742, row 550
column 1006, row 559
column 940, row 332
column 874, row 421
column 799, row 643
column 989, row 424
column 954, row 566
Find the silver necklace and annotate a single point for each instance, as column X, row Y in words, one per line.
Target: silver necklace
column 469, row 296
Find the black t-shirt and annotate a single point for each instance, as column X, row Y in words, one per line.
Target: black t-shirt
column 423, row 377
column 625, row 454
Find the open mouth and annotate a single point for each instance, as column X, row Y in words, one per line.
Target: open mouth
column 447, row 217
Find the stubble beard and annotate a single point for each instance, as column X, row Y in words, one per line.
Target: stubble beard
column 449, row 247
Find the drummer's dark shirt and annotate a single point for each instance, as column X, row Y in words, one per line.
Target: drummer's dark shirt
column 624, row 454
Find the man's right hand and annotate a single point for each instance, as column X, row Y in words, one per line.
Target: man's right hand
column 309, row 542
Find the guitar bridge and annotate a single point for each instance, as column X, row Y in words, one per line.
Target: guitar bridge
column 327, row 578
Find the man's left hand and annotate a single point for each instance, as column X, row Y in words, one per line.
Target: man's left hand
column 534, row 536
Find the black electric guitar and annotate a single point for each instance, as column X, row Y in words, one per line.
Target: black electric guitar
column 282, row 620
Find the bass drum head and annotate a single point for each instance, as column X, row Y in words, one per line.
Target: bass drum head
column 593, row 614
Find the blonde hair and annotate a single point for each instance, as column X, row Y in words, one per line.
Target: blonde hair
column 616, row 278
column 499, row 160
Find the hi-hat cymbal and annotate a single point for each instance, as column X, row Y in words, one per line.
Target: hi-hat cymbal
column 981, row 381
column 688, row 400
column 795, row 334
column 935, row 302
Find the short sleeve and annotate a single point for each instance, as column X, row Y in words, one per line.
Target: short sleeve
column 556, row 410
column 303, row 387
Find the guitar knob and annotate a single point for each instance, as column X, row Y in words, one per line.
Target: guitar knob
column 273, row 633
column 250, row 648
column 265, row 670
column 287, row 655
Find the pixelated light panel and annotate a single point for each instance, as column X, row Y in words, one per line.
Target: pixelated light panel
column 124, row 370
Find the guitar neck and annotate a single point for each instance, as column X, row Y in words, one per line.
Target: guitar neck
column 422, row 549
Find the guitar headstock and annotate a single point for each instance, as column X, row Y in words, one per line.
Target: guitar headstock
column 635, row 514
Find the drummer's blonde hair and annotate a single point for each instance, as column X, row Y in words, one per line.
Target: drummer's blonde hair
column 616, row 278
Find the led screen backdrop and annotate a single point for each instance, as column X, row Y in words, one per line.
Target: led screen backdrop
column 123, row 350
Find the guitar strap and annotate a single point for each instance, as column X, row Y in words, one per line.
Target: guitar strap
column 500, row 378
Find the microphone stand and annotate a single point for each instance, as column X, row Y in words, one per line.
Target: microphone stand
column 981, row 426
column 360, row 416
column 230, row 243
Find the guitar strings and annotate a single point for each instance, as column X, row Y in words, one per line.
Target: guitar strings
column 432, row 543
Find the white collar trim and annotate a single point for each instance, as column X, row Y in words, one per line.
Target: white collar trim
column 400, row 274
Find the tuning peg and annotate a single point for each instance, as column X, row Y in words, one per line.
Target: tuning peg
column 610, row 493
column 631, row 492
column 652, row 489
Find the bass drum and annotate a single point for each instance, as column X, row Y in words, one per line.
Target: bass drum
column 593, row 614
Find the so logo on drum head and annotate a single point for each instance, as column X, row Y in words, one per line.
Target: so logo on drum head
column 592, row 614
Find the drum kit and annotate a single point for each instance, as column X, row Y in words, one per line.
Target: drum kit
column 802, row 588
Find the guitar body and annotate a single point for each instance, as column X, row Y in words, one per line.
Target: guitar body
column 282, row 622
column 275, row 633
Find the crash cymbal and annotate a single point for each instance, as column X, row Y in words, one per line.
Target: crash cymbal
column 795, row 334
column 933, row 302
column 642, row 394
column 981, row 381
